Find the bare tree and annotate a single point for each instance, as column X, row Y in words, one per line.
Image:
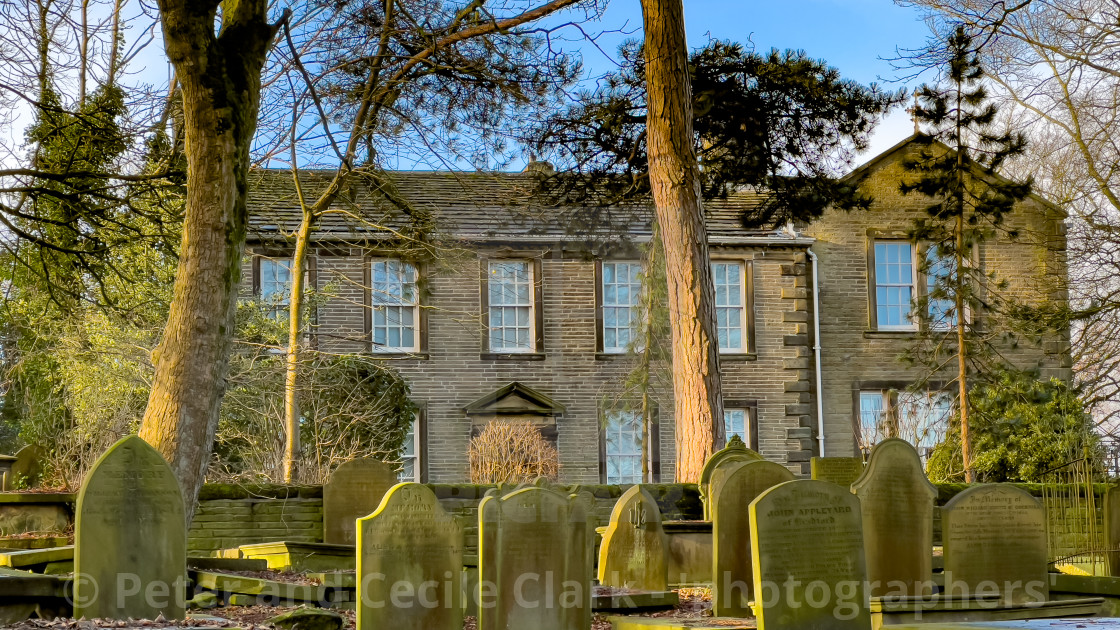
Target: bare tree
column 469, row 62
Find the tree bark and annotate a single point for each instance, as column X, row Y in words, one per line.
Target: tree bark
column 675, row 182
column 220, row 78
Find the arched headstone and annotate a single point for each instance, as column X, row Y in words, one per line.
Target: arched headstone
column 27, row 470
column 735, row 451
column 634, row 552
column 534, row 561
column 130, row 557
column 994, row 538
column 807, row 547
column 896, row 501
column 731, row 534
column 410, row 546
column 354, row 490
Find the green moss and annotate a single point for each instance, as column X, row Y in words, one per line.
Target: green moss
column 212, row 491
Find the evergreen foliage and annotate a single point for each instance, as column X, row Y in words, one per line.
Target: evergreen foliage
column 1021, row 427
column 779, row 121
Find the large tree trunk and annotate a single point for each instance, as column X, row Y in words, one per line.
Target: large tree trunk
column 220, row 78
column 675, row 181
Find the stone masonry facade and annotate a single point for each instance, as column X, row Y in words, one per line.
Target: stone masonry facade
column 774, row 380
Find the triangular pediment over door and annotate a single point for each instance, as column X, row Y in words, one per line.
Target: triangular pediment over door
column 516, row 402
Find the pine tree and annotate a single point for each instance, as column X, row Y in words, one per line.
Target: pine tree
column 955, row 167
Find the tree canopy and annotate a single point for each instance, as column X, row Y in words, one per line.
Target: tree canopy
column 781, row 121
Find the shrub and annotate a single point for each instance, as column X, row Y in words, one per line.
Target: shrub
column 512, row 452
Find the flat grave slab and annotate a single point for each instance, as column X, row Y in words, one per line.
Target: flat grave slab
column 633, row 600
column 898, row 611
column 302, row 556
column 32, row 557
column 227, row 564
column 705, row 623
column 265, row 591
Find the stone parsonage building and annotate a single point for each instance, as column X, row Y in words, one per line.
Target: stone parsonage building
column 524, row 314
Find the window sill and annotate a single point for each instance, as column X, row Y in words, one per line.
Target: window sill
column 401, row 356
column 890, row 334
column 612, row 356
column 735, row 357
column 512, row 356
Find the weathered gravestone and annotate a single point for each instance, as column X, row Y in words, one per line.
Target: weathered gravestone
column 410, row 560
column 735, row 451
column 807, row 547
column 634, row 552
column 1112, row 529
column 355, row 489
column 732, row 589
column 130, row 558
column 535, row 560
column 896, row 501
column 841, row 471
column 994, row 538
column 27, row 470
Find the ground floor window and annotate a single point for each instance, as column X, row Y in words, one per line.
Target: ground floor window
column 623, row 445
column 410, row 454
column 920, row 418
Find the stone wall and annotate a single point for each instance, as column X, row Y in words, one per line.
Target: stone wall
column 854, row 356
column 452, row 370
column 229, row 516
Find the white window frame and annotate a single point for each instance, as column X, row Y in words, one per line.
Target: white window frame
column 383, row 298
column 740, row 308
column 911, row 323
column 631, row 308
column 625, row 427
column 412, row 438
column 529, row 307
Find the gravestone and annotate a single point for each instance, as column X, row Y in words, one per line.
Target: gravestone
column 27, row 470
column 354, row 490
column 130, row 558
column 994, row 538
column 842, row 471
column 534, row 560
column 1112, row 528
column 732, row 579
column 634, row 552
column 896, row 501
column 735, row 451
column 410, row 560
column 807, row 552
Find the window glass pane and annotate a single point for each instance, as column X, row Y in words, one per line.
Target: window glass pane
column 894, row 284
column 393, row 295
column 730, row 312
column 410, row 456
column 735, row 423
column 872, row 418
column 621, row 293
column 623, row 442
column 940, row 304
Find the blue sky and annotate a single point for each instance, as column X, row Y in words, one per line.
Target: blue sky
column 856, row 36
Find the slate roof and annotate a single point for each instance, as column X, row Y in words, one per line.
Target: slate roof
column 469, row 206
